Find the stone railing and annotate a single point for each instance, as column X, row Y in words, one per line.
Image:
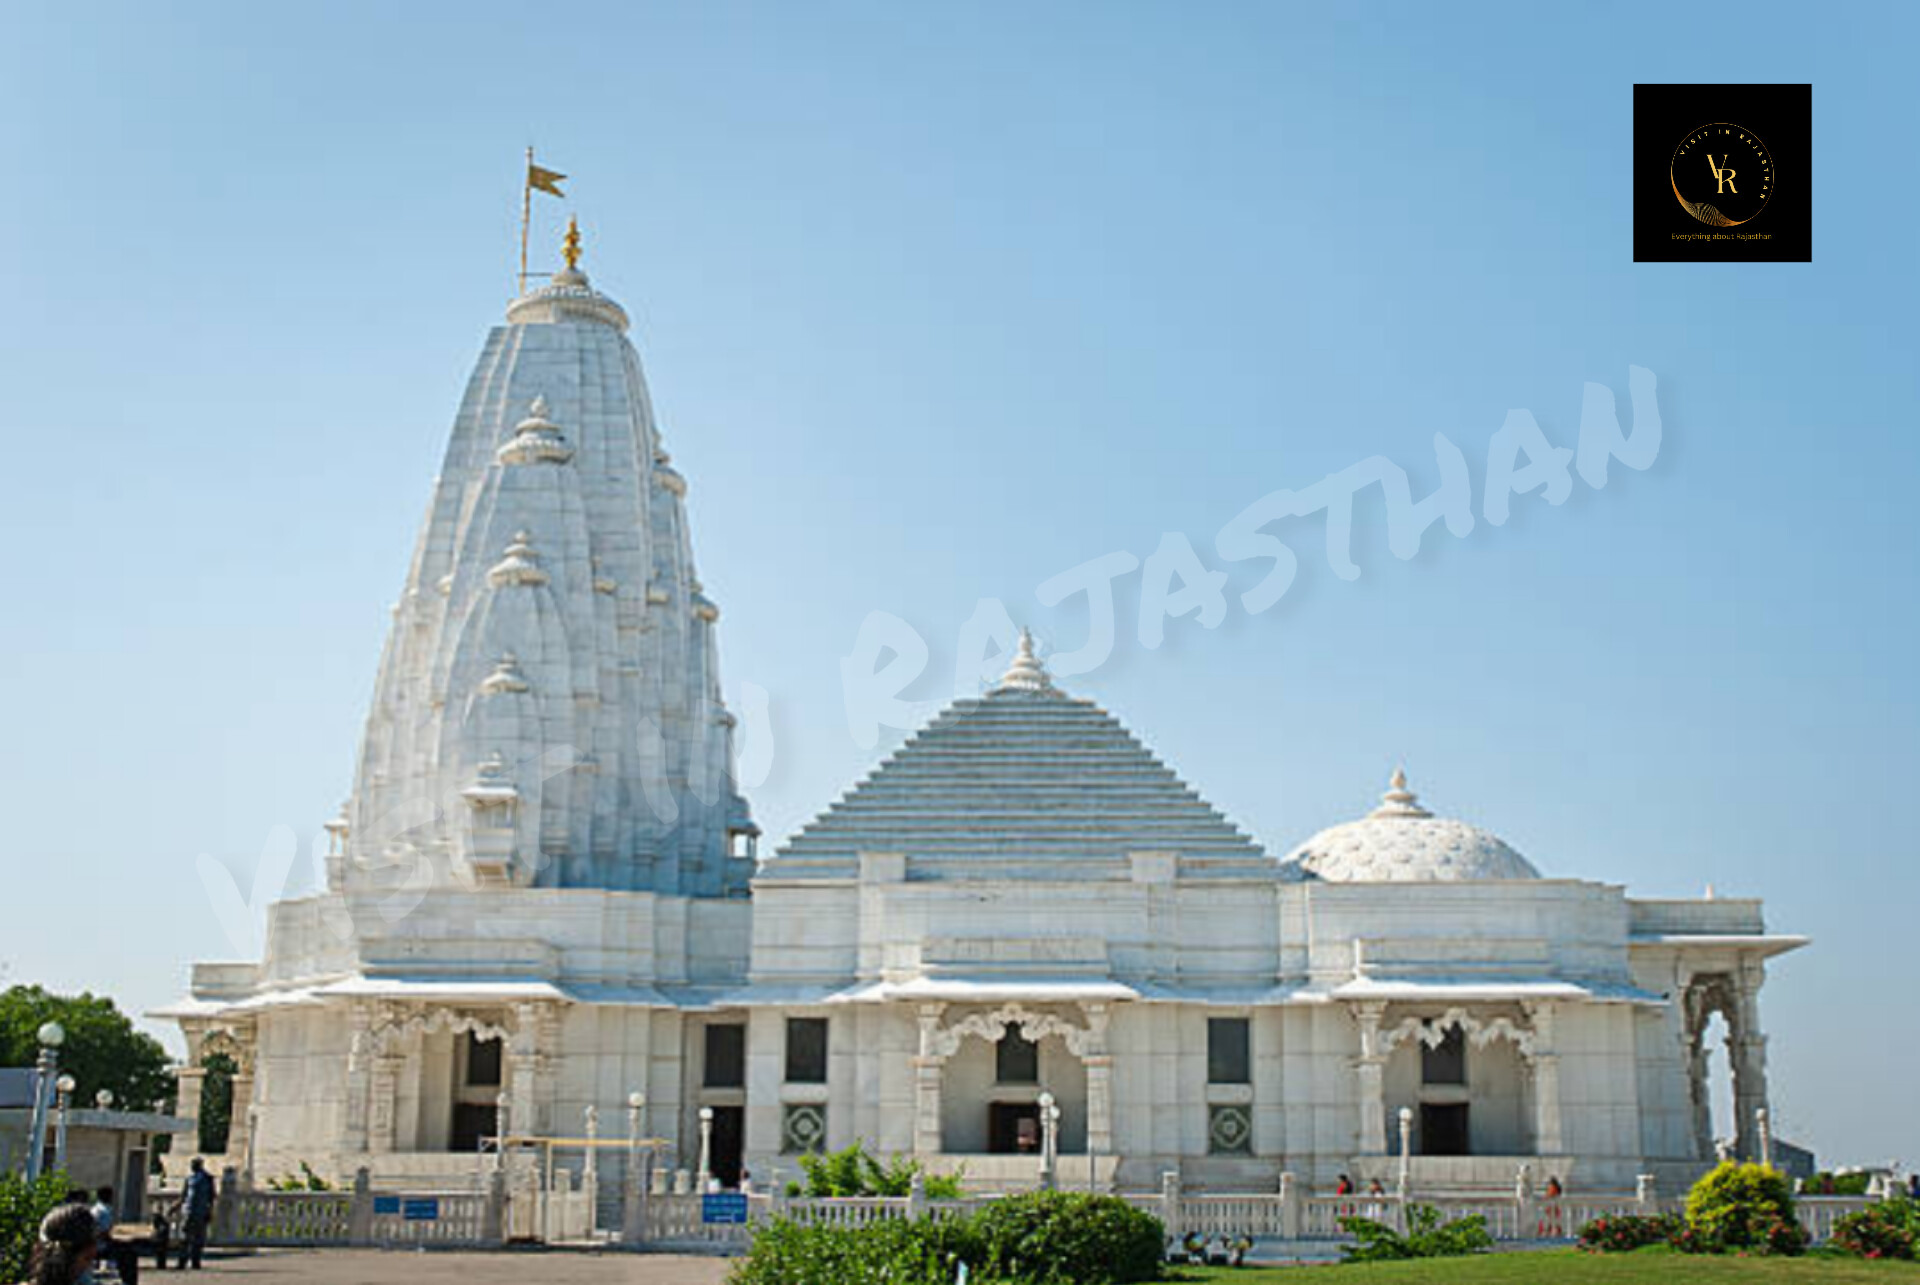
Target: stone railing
column 491, row 1216
column 1291, row 1214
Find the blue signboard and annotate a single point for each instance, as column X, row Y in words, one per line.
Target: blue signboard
column 386, row 1204
column 424, row 1209
column 724, row 1207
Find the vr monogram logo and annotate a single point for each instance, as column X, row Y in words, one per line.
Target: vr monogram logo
column 1724, row 177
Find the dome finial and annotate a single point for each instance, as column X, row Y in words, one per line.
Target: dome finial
column 1399, row 801
column 570, row 249
column 1026, row 673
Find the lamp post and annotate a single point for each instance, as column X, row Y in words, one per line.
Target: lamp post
column 63, row 1087
column 706, row 1146
column 591, row 1118
column 502, row 1105
column 1406, row 1149
column 51, row 1037
column 1049, row 1122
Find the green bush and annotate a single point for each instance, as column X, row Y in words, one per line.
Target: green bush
column 22, row 1206
column 1426, row 1237
column 1839, row 1184
column 924, row 1251
column 1048, row 1238
column 1620, row 1233
column 1741, row 1206
column 1070, row 1238
column 853, row 1172
column 1890, row 1229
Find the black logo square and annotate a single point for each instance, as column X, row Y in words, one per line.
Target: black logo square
column 1723, row 173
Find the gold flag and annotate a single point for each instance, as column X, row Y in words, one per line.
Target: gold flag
column 541, row 180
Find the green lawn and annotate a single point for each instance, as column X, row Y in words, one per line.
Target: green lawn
column 1571, row 1267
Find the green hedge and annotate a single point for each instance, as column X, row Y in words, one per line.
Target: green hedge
column 1046, row 1238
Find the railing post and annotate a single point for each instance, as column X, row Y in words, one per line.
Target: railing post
column 659, row 1180
column 1525, row 1226
column 226, row 1205
column 1290, row 1207
column 1170, row 1202
column 493, row 1223
column 917, row 1197
column 1643, row 1192
column 360, row 1212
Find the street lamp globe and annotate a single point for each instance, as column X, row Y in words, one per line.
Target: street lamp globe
column 706, row 1115
column 1046, row 1101
column 104, row 1099
column 52, row 1035
column 66, row 1084
column 636, row 1100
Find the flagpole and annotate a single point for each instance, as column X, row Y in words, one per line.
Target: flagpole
column 526, row 217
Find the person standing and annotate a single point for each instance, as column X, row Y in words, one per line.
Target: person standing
column 196, row 1211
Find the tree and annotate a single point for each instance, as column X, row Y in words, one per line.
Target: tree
column 102, row 1050
column 216, row 1102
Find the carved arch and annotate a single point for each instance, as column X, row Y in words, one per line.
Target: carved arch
column 945, row 1041
column 1430, row 1031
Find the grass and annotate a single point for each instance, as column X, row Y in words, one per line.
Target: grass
column 1572, row 1267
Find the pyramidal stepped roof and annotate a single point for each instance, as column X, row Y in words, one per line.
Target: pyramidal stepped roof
column 1023, row 774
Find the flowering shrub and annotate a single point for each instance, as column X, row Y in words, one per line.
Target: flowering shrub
column 1890, row 1229
column 1741, row 1207
column 1623, row 1232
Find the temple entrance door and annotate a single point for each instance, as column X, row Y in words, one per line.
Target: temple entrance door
column 1443, row 1129
column 1013, row 1128
column 728, row 1132
column 471, row 1122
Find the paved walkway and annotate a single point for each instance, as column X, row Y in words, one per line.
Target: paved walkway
column 434, row 1267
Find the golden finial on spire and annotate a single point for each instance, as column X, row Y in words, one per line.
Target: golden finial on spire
column 572, row 247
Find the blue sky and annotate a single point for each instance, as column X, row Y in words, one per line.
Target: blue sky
column 936, row 303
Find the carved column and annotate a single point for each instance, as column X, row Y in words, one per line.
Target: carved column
column 1370, row 1072
column 188, row 1082
column 1548, row 1139
column 523, row 1068
column 1747, row 1055
column 927, row 1071
column 353, row 1136
column 381, row 1104
column 1099, row 1066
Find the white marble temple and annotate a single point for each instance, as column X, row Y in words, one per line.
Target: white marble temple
column 544, row 896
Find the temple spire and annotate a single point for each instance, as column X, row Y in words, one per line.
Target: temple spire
column 1399, row 801
column 570, row 244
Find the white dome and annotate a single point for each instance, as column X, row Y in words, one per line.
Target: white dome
column 1402, row 842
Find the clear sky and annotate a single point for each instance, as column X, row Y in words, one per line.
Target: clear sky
column 938, row 302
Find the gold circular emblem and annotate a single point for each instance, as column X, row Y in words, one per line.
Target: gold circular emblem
column 1722, row 174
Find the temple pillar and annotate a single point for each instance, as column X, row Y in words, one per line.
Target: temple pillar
column 1747, row 1057
column 188, row 1083
column 381, row 1094
column 240, row 1121
column 928, row 1067
column 353, row 1136
column 1370, row 1074
column 1548, row 1138
column 1099, row 1066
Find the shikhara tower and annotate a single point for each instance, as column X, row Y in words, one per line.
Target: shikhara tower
column 548, row 708
column 543, row 899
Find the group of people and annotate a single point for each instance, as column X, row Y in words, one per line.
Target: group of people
column 77, row 1236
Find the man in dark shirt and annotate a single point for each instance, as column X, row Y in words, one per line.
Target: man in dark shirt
column 196, row 1211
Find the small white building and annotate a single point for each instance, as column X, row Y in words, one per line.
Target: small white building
column 545, row 896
